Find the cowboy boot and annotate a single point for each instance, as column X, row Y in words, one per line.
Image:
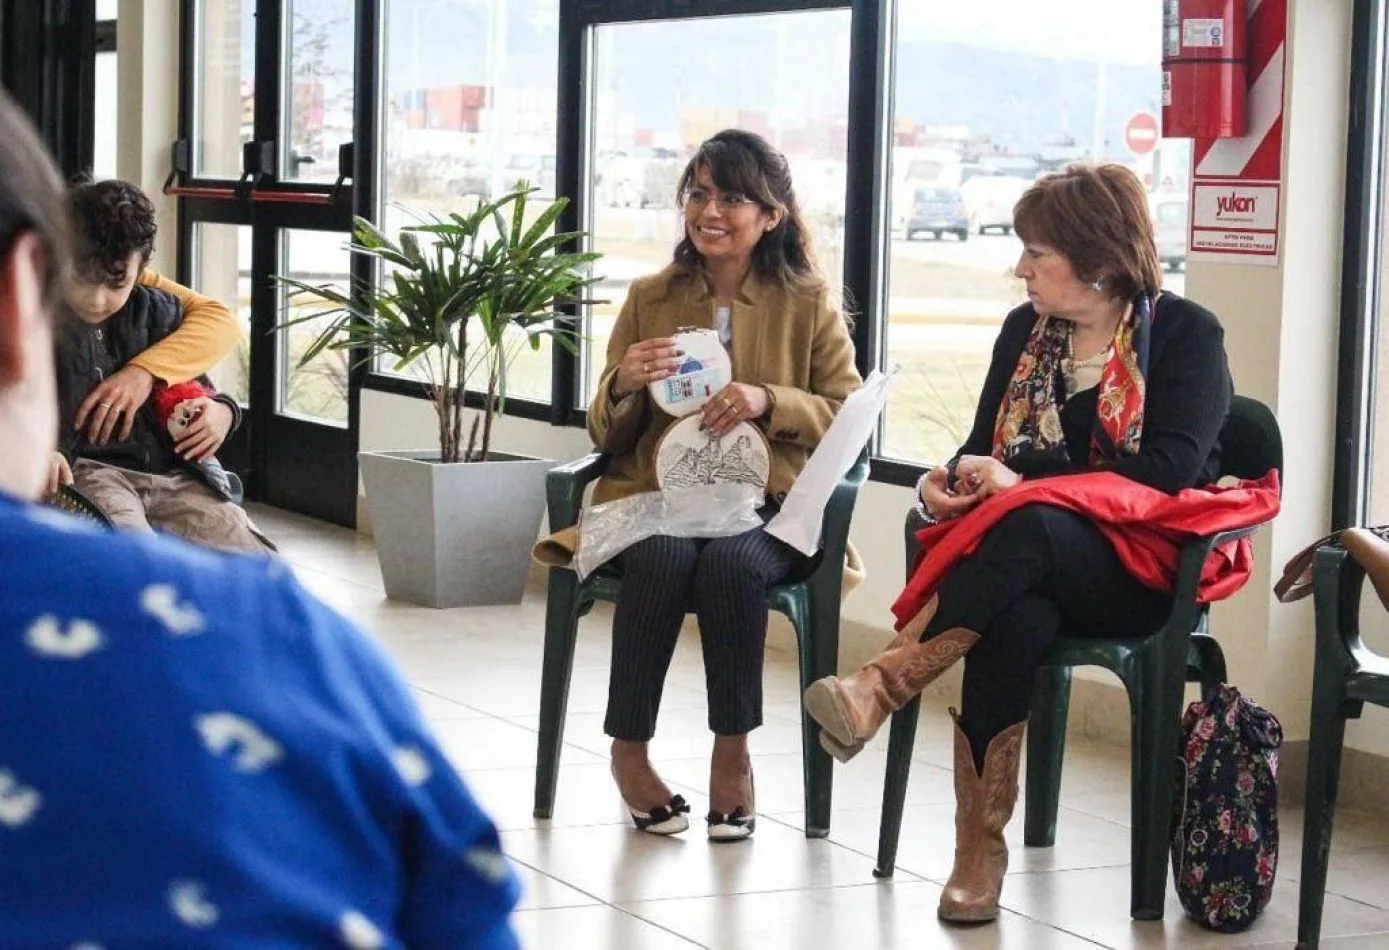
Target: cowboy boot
column 983, row 804
column 852, row 709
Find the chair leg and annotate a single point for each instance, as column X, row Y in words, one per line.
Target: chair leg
column 1046, row 747
column 1155, row 697
column 818, row 636
column 1328, row 730
column 901, row 739
column 562, row 606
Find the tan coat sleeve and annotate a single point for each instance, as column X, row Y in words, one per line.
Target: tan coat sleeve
column 802, row 417
column 616, row 424
column 207, row 334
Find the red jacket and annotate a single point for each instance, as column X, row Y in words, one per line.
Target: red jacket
column 1147, row 528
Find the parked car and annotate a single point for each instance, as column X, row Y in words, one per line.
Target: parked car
column 914, row 168
column 989, row 199
column 1170, row 217
column 936, row 211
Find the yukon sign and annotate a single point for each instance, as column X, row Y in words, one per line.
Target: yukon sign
column 1234, row 218
column 1236, row 204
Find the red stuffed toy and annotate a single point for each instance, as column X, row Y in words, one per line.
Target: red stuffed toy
column 172, row 406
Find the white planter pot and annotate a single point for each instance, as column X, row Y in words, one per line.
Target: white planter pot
column 456, row 535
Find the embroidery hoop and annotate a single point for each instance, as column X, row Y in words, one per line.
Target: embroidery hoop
column 686, row 456
column 705, row 370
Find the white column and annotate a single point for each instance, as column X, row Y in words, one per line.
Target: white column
column 147, row 34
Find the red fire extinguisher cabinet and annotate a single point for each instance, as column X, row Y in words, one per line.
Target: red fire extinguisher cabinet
column 1204, row 68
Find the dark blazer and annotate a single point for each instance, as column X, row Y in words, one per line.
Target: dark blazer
column 1188, row 397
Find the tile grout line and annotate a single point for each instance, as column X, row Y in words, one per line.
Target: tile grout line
column 599, row 901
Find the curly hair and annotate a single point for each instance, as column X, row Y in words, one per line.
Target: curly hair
column 111, row 220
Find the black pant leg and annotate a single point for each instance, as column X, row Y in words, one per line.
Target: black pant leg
column 730, row 594
column 657, row 574
column 1041, row 571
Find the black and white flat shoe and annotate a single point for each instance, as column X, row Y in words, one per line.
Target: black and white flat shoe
column 668, row 819
column 734, row 826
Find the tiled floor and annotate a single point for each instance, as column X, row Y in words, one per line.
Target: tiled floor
column 592, row 882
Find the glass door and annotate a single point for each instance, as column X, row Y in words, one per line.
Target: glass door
column 274, row 101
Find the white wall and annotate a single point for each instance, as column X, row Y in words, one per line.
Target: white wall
column 1281, row 332
column 147, row 120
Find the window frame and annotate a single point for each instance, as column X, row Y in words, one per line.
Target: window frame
column 373, row 378
column 871, row 49
column 1361, row 278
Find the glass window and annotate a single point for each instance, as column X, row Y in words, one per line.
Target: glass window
column 222, row 270
column 224, row 99
column 1377, row 335
column 104, row 117
column 662, row 88
column 106, row 9
column 317, row 390
column 318, row 106
column 458, row 128
column 987, row 99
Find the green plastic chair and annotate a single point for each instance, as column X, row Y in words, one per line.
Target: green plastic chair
column 1345, row 676
column 811, row 603
column 1153, row 669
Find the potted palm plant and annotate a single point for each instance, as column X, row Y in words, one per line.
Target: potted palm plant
column 458, row 298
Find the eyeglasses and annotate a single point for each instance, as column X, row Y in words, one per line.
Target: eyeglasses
column 697, row 198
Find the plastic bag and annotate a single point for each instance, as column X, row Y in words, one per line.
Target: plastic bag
column 802, row 514
column 699, row 511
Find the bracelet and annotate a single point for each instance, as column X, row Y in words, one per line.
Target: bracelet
column 920, row 483
column 921, row 508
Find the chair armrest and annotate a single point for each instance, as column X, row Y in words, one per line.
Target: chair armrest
column 1186, row 613
column 564, row 488
column 1337, row 581
column 826, row 579
column 839, row 512
column 1193, row 559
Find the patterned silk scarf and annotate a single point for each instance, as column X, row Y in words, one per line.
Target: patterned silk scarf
column 1029, row 419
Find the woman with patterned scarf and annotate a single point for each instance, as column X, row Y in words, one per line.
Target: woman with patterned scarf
column 1099, row 371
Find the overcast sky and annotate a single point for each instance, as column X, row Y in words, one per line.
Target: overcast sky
column 1121, row 31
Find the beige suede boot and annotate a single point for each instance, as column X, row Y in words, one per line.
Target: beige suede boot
column 983, row 805
column 852, row 709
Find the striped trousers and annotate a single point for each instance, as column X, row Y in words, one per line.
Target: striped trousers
column 724, row 581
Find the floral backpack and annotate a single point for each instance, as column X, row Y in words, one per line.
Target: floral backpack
column 1225, row 834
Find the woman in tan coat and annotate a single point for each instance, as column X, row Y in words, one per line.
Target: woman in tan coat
column 744, row 267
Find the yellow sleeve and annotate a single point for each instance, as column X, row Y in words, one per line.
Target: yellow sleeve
column 208, row 333
column 803, row 417
column 615, row 424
